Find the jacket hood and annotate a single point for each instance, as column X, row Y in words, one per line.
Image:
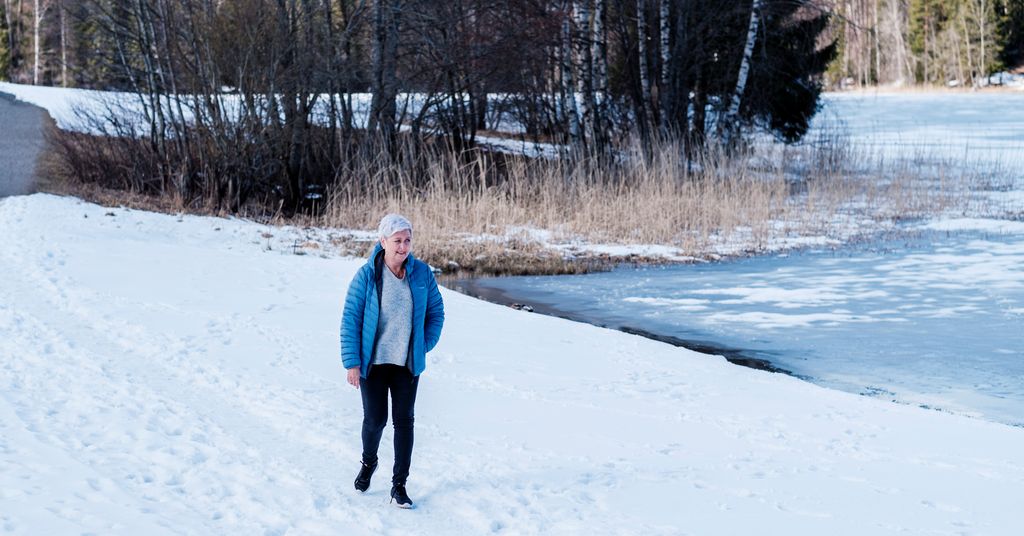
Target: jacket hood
column 377, row 248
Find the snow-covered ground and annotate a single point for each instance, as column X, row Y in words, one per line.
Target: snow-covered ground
column 83, row 110
column 180, row 375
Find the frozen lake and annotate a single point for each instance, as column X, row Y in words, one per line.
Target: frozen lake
column 936, row 319
column 982, row 127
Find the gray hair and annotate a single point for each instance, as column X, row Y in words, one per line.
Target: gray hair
column 393, row 223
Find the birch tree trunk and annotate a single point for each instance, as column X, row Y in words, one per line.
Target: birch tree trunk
column 585, row 65
column 904, row 70
column 846, row 42
column 967, row 45
column 878, row 48
column 664, row 92
column 38, row 12
column 863, row 44
column 645, row 78
column 10, row 30
column 959, row 59
column 569, row 106
column 599, row 54
column 983, row 35
column 63, row 46
column 728, row 127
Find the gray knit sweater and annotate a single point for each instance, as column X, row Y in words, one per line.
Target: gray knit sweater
column 394, row 325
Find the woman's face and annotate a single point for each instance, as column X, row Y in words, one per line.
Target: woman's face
column 397, row 247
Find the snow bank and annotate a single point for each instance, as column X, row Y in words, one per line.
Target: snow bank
column 180, row 375
column 61, row 103
column 66, row 105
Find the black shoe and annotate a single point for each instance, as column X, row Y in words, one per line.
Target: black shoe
column 399, row 496
column 363, row 479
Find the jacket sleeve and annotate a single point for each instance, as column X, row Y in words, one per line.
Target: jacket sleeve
column 352, row 321
column 434, row 319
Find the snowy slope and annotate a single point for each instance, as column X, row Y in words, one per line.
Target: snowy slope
column 171, row 375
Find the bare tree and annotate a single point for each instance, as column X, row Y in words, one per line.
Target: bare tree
column 664, row 92
column 894, row 27
column 876, row 40
column 729, row 124
column 599, row 56
column 40, row 8
column 646, row 117
column 969, row 74
column 386, row 25
column 11, row 31
column 570, row 107
column 583, row 18
column 983, row 13
column 63, row 44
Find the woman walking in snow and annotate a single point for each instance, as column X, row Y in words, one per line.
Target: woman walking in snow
column 393, row 317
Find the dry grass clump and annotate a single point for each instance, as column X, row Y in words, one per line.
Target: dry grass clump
column 485, row 214
column 649, row 199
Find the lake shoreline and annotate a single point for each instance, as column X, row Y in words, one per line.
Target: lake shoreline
column 736, row 356
column 877, row 318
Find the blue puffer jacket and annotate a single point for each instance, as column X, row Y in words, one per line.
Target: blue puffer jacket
column 362, row 309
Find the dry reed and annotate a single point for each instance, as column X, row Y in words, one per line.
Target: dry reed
column 478, row 216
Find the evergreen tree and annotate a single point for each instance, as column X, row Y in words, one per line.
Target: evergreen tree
column 708, row 42
column 1011, row 33
column 787, row 71
column 5, row 52
column 94, row 60
column 927, row 18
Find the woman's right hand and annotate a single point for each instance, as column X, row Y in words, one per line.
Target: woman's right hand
column 353, row 377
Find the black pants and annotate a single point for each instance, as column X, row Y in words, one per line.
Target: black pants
column 402, row 384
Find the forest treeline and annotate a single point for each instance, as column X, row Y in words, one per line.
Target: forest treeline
column 283, row 98
column 951, row 42
column 271, row 90
column 932, row 42
column 653, row 59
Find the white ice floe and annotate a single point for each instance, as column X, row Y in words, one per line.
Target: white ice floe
column 976, row 224
column 789, row 298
